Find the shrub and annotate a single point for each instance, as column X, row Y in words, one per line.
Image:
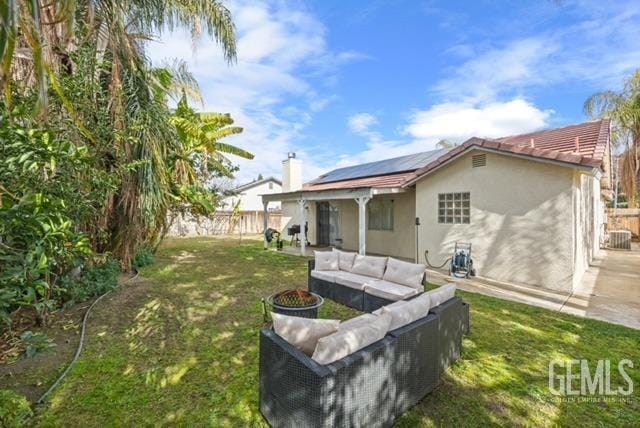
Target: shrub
column 36, row 343
column 91, row 283
column 14, row 409
column 144, row 257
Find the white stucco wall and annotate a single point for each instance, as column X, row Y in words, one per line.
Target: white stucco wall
column 291, row 215
column 398, row 243
column 521, row 223
column 250, row 199
column 587, row 213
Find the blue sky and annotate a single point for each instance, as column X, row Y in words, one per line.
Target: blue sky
column 348, row 82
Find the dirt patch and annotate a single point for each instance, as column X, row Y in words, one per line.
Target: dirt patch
column 31, row 377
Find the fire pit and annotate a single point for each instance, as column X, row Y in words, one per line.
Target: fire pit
column 297, row 302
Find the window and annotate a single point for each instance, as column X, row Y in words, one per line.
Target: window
column 380, row 214
column 454, row 208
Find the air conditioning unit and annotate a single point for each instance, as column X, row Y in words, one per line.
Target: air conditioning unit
column 620, row 239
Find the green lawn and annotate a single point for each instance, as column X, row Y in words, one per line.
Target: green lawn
column 182, row 348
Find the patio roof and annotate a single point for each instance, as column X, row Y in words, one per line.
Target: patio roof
column 332, row 193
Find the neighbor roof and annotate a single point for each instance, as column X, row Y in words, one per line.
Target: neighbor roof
column 385, row 173
column 583, row 145
column 257, row 183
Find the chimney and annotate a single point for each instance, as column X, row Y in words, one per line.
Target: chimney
column 291, row 173
column 577, row 144
column 533, row 143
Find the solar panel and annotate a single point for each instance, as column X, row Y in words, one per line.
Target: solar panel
column 383, row 167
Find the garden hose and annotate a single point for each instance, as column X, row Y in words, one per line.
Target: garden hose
column 80, row 344
column 426, row 258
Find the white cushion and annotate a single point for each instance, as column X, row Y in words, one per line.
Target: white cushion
column 354, row 322
column 349, row 340
column 326, row 260
column 389, row 290
column 345, row 260
column 303, row 333
column 390, row 305
column 404, row 273
column 325, row 275
column 406, row 312
column 442, row 294
column 369, row 266
column 352, row 280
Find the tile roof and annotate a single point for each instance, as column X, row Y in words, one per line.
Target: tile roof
column 557, row 145
column 389, row 180
column 554, row 145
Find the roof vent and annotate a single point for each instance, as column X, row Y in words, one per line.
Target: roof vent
column 479, row 160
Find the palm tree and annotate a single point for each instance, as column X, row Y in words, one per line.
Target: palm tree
column 36, row 36
column 623, row 108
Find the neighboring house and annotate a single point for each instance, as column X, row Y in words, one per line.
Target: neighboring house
column 249, row 195
column 532, row 205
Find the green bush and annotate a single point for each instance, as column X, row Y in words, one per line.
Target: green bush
column 14, row 409
column 36, row 343
column 144, row 257
column 93, row 282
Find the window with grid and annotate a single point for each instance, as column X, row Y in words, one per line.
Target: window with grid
column 380, row 214
column 454, row 208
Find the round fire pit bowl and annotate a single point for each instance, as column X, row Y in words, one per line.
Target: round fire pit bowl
column 296, row 302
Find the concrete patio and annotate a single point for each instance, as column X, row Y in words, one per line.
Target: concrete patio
column 610, row 290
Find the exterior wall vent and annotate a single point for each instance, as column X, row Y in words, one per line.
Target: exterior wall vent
column 479, row 160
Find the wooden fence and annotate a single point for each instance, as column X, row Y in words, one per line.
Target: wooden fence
column 624, row 219
column 224, row 223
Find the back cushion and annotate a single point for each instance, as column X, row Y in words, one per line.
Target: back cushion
column 345, row 260
column 303, row 333
column 409, row 274
column 442, row 294
column 349, row 340
column 326, row 260
column 408, row 311
column 369, row 266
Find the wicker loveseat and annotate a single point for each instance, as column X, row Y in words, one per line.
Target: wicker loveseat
column 370, row 387
column 365, row 293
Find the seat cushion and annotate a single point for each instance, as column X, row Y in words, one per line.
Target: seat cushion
column 345, row 260
column 325, row 275
column 369, row 266
column 303, row 333
column 404, row 273
column 389, row 290
column 442, row 294
column 326, row 260
column 349, row 340
column 406, row 312
column 352, row 280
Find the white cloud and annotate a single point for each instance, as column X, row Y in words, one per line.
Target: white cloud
column 459, row 121
column 362, row 122
column 276, row 85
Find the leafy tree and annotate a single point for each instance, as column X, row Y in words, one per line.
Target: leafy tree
column 623, row 108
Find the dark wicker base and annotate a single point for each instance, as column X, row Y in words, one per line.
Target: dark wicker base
column 302, row 312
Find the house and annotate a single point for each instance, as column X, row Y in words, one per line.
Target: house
column 249, row 195
column 532, row 205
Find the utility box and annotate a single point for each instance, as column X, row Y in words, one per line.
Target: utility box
column 620, row 239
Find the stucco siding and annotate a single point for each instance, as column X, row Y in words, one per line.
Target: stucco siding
column 521, row 224
column 587, row 214
column 400, row 242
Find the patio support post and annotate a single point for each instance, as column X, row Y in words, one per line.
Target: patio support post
column 265, row 219
column 362, row 223
column 303, row 221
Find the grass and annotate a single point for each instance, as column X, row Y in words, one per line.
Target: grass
column 181, row 347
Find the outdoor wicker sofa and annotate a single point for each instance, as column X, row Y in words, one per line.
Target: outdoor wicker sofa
column 365, row 293
column 370, row 387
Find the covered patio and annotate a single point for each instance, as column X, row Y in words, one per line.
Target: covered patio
column 295, row 204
